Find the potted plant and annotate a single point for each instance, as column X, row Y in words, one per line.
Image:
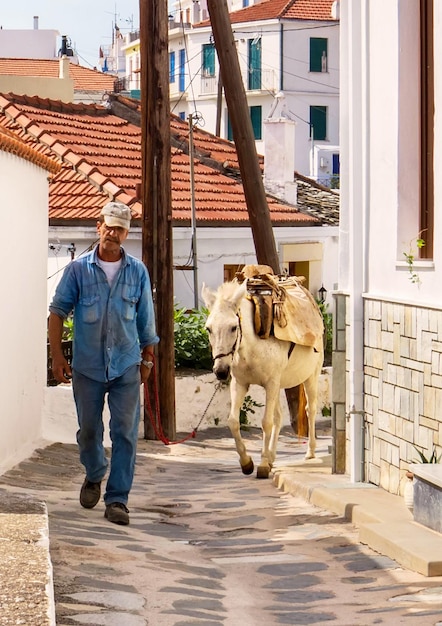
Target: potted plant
column 423, row 458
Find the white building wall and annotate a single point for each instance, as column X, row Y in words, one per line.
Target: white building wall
column 23, row 314
column 304, row 89
column 28, row 44
column 401, row 332
column 216, row 247
column 301, row 87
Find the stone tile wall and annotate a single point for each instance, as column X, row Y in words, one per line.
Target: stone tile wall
column 403, row 388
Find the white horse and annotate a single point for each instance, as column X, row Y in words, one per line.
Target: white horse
column 271, row 363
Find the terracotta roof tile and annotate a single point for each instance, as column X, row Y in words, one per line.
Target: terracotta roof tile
column 102, row 159
column 15, row 145
column 278, row 9
column 85, row 79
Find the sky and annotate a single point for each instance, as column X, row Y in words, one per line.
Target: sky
column 87, row 23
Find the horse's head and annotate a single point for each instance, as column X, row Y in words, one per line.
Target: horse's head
column 223, row 324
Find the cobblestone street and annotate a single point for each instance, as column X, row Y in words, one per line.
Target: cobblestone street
column 208, row 546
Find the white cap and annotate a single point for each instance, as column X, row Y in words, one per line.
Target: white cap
column 116, row 214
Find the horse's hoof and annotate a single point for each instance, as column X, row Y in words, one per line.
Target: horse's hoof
column 309, row 455
column 248, row 468
column 263, row 471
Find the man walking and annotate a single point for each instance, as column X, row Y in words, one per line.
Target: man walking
column 109, row 293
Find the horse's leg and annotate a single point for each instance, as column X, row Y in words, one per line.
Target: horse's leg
column 272, row 398
column 311, row 393
column 237, row 395
column 277, row 421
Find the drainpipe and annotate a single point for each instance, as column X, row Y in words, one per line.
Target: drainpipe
column 358, row 244
column 281, row 57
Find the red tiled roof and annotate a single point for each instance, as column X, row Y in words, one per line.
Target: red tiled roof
column 309, row 10
column 101, row 155
column 287, row 9
column 15, row 145
column 84, row 79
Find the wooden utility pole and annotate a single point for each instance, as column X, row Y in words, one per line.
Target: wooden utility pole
column 243, row 136
column 251, row 176
column 156, row 198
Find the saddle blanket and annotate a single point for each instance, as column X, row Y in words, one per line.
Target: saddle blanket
column 283, row 305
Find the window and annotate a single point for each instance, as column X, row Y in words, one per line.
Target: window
column 182, row 115
column 208, row 59
column 300, row 268
column 254, row 64
column 231, row 270
column 318, row 123
column 318, row 54
column 256, row 119
column 171, row 67
column 182, row 75
column 245, row 3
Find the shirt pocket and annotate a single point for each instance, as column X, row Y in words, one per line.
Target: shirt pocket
column 130, row 301
column 90, row 309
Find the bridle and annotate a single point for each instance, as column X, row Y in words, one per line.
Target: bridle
column 235, row 343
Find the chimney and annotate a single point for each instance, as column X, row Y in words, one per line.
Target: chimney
column 279, row 158
column 35, row 22
column 63, row 70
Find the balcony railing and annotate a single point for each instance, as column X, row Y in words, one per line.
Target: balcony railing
column 209, row 84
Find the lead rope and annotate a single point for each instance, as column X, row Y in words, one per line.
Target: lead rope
column 155, row 417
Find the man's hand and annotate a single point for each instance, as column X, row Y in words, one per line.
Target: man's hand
column 144, row 373
column 61, row 369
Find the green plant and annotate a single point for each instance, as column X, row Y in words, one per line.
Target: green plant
column 428, row 459
column 410, row 258
column 326, row 411
column 68, row 329
column 248, row 406
column 328, row 332
column 192, row 348
column 335, row 182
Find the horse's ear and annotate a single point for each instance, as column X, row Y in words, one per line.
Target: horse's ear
column 208, row 296
column 239, row 294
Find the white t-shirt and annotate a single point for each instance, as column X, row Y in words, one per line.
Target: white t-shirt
column 110, row 268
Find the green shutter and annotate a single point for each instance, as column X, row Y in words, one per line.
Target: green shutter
column 209, row 59
column 256, row 117
column 318, row 119
column 229, row 128
column 318, row 48
column 254, row 64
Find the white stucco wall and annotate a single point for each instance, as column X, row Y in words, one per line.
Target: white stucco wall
column 216, row 247
column 23, row 257
column 28, row 44
column 389, row 184
column 301, row 87
column 393, row 324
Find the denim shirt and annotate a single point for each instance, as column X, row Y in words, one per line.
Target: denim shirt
column 111, row 324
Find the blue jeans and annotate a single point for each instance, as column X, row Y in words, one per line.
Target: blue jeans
column 124, row 406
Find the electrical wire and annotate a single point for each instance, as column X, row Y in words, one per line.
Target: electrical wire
column 88, row 249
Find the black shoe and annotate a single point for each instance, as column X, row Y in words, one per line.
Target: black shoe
column 118, row 513
column 90, row 494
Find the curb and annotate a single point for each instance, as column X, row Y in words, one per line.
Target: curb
column 26, row 588
column 384, row 523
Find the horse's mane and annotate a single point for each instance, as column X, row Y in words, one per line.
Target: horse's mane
column 227, row 290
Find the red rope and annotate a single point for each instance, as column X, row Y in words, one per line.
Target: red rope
column 155, row 417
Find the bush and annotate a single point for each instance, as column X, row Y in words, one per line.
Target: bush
column 192, row 348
